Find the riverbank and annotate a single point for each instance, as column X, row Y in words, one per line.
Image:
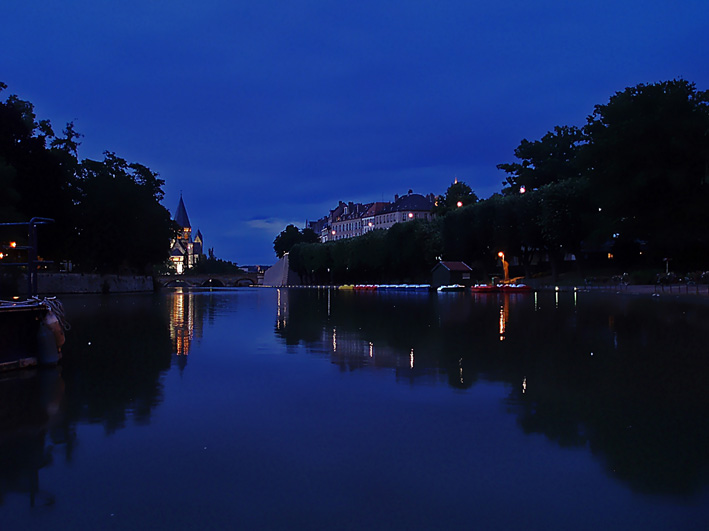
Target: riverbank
column 653, row 290
column 674, row 290
column 65, row 283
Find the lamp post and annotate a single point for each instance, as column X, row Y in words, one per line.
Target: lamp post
column 505, row 266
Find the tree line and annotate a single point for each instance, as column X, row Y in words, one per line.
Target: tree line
column 108, row 216
column 628, row 190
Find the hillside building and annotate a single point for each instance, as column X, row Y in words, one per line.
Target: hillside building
column 349, row 220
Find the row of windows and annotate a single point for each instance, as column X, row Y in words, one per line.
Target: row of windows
column 338, row 229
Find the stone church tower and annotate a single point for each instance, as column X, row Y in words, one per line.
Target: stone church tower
column 184, row 251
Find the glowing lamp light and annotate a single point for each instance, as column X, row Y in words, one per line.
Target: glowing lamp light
column 334, row 232
column 522, row 189
column 501, row 254
column 370, row 224
column 459, row 203
column 411, row 215
column 13, row 244
column 2, row 255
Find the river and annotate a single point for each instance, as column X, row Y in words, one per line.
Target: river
column 259, row 408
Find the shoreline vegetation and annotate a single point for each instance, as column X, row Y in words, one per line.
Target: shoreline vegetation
column 625, row 192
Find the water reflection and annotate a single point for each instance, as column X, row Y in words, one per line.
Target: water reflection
column 504, row 314
column 31, row 420
column 431, row 337
column 186, row 321
column 182, row 322
column 619, row 376
column 111, row 372
column 120, row 348
column 621, row 379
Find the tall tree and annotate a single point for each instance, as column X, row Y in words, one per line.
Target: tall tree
column 121, row 225
column 291, row 236
column 553, row 158
column 37, row 172
column 287, row 238
column 649, row 157
column 458, row 195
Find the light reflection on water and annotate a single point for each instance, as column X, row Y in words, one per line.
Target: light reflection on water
column 314, row 404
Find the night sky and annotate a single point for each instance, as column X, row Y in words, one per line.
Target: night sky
column 264, row 113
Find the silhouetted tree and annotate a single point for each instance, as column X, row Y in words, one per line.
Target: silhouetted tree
column 291, row 236
column 553, row 158
column 457, row 195
column 37, row 173
column 649, row 157
column 286, row 240
column 107, row 214
column 121, row 224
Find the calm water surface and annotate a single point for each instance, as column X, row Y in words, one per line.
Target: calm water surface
column 305, row 409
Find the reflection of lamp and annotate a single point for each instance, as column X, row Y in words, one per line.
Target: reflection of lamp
column 504, row 315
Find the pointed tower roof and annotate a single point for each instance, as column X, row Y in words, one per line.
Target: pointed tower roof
column 181, row 215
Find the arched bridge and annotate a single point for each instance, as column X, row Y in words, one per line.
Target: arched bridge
column 212, row 281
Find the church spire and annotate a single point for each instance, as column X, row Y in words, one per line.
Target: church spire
column 181, row 215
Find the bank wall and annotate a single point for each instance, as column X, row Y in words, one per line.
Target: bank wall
column 57, row 283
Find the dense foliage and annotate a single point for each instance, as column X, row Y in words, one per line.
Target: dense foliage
column 404, row 253
column 459, row 194
column 211, row 265
column 108, row 215
column 628, row 190
column 633, row 181
column 290, row 236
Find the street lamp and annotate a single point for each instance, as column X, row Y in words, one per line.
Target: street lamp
column 505, row 266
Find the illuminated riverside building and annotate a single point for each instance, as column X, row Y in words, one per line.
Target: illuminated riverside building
column 185, row 251
column 349, row 220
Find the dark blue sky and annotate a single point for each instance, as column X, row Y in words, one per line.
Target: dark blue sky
column 265, row 113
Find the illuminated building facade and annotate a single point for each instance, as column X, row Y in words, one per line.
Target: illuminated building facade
column 185, row 251
column 349, row 220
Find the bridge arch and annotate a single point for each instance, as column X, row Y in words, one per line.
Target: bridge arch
column 243, row 278
column 177, row 283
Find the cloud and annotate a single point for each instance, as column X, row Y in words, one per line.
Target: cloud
column 271, row 225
